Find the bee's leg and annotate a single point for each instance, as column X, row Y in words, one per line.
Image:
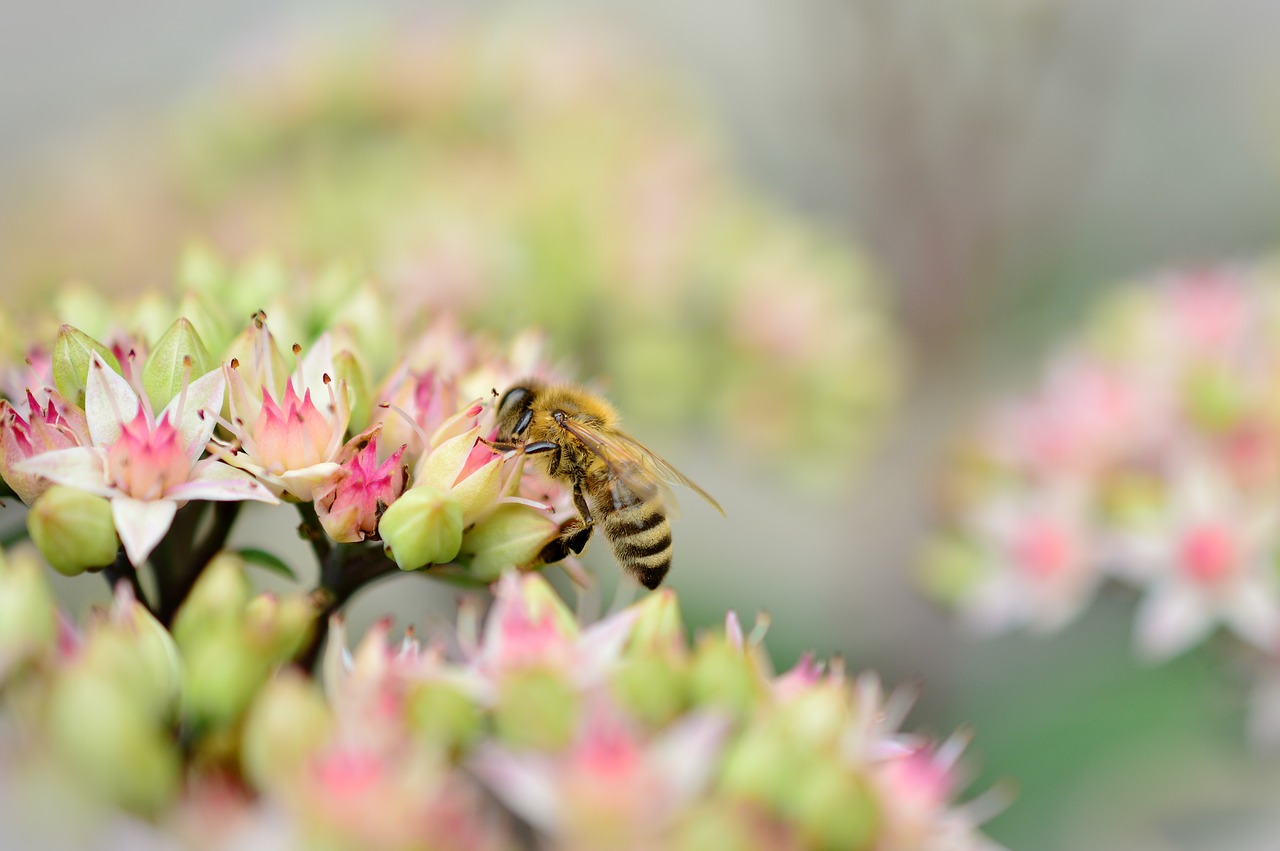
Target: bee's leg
column 574, row 533
column 577, row 541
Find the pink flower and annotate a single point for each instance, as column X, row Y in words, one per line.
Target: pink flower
column 56, row 424
column 350, row 502
column 1206, row 560
column 146, row 466
column 528, row 626
column 290, row 445
column 612, row 787
column 1040, row 559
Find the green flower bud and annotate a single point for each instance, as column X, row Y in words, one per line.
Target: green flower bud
column 440, row 469
column 73, row 530
column 217, row 601
column 95, row 725
column 222, row 673
column 441, row 715
column 287, row 724
column 280, row 627
column 28, row 619
column 133, row 651
column 72, row 353
column 651, row 687
column 422, row 527
column 762, row 767
column 834, row 808
column 536, row 709
column 178, row 356
column 659, row 628
column 208, row 323
column 724, row 676
column 717, row 825
column 348, row 368
column 511, row 536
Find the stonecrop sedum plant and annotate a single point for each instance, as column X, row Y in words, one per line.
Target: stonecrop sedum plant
column 514, row 173
column 196, row 711
column 1147, row 458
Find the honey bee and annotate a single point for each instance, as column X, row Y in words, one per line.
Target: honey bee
column 618, row 482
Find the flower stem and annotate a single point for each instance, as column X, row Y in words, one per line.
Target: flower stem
column 121, row 570
column 348, row 569
column 181, row 574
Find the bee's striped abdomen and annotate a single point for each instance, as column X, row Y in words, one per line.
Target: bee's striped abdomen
column 638, row 532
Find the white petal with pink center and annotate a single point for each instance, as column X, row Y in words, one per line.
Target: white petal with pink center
column 146, row 465
column 1042, row 567
column 1206, row 562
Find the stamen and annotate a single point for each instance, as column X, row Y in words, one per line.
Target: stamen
column 413, row 424
column 519, row 500
column 757, row 632
column 186, row 382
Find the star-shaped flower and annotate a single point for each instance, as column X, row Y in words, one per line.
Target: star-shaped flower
column 147, row 465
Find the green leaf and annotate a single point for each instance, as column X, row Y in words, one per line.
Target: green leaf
column 266, row 560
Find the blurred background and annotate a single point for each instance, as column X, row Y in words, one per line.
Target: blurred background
column 977, row 172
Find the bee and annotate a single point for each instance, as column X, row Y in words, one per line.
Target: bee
column 618, row 483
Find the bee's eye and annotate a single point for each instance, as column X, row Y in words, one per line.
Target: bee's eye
column 512, row 399
column 523, row 422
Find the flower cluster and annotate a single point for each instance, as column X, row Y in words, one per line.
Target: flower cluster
column 1149, row 456
column 395, row 456
column 546, row 169
column 616, row 734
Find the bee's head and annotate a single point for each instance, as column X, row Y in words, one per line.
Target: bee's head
column 515, row 412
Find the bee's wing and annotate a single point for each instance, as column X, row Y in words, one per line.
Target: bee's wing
column 642, row 470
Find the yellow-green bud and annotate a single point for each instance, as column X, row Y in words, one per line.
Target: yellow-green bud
column 817, row 716
column 762, row 767
column 118, row 751
column 718, row 825
column 442, row 716
column 72, row 353
column 217, row 600
column 222, row 673
column 834, row 808
column 347, row 368
column 73, row 530
column 659, row 628
column 422, row 527
column 724, row 676
column 651, row 687
column 536, row 709
column 511, row 536
column 280, row 627
column 178, row 356
column 28, row 620
column 287, row 724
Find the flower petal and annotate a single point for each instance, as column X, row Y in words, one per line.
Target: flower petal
column 196, row 418
column 82, row 467
column 1169, row 620
column 302, row 483
column 523, row 782
column 219, row 482
column 142, row 524
column 1253, row 614
column 109, row 401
